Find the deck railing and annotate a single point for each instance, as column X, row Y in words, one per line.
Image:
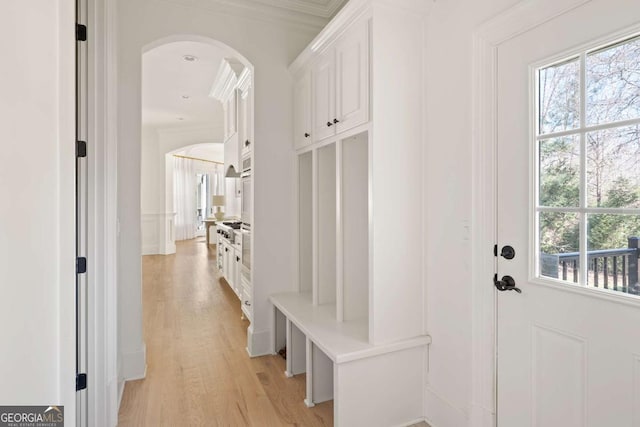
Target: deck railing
column 615, row 269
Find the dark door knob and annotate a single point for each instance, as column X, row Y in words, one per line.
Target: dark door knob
column 506, row 284
column 329, row 124
column 306, row 135
column 336, row 121
column 508, row 252
column 247, row 143
column 237, row 259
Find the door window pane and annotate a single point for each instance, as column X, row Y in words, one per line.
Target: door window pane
column 612, row 252
column 559, row 162
column 560, row 245
column 588, row 171
column 559, row 97
column 613, row 168
column 613, row 83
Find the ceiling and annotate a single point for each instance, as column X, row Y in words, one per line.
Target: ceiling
column 175, row 92
column 320, row 8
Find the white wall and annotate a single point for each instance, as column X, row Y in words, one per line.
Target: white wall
column 37, row 249
column 156, row 197
column 270, row 48
column 448, row 210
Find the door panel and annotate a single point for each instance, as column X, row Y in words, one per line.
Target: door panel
column 324, row 96
column 352, row 78
column 567, row 354
column 302, row 111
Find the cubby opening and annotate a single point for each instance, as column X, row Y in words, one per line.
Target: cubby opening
column 355, row 226
column 322, row 387
column 326, row 224
column 296, row 351
column 280, row 332
column 305, row 221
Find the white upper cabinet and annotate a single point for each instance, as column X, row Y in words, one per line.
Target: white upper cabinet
column 232, row 88
column 230, row 116
column 224, row 90
column 341, row 84
column 245, row 117
column 324, row 101
column 352, row 78
column 302, row 120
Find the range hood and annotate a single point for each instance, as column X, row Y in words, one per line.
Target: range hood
column 232, row 173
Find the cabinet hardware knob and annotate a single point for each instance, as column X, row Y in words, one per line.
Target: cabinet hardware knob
column 329, row 124
column 237, row 259
column 247, row 143
column 247, row 303
column 226, row 249
column 336, row 121
column 306, row 135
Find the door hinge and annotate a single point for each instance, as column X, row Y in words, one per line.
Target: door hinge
column 81, row 33
column 81, row 149
column 81, row 381
column 495, row 250
column 81, row 265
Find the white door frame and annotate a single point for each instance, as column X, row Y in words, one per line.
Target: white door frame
column 102, row 343
column 519, row 19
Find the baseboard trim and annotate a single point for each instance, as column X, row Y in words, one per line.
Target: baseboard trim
column 258, row 343
column 150, row 250
column 134, row 364
column 169, row 249
column 410, row 423
column 440, row 412
column 482, row 417
column 114, row 396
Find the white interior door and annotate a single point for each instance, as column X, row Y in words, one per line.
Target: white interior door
column 568, row 162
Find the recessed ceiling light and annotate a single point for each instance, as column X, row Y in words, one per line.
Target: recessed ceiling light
column 180, row 118
column 185, row 96
column 190, row 58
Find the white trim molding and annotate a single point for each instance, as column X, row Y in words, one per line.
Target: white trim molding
column 134, row 365
column 521, row 18
column 227, row 79
column 259, row 11
column 324, row 9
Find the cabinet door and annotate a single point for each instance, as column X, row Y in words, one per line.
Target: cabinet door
column 324, row 96
column 302, row 111
column 231, row 152
column 352, row 77
column 237, row 283
column 245, row 122
column 225, row 259
column 232, row 114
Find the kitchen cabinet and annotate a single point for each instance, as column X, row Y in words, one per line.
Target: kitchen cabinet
column 230, row 107
column 302, row 119
column 245, row 113
column 340, row 86
column 225, row 90
column 231, row 151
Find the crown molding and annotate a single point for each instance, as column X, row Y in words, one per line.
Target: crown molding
column 324, row 9
column 244, row 80
column 258, row 10
column 227, row 79
column 353, row 11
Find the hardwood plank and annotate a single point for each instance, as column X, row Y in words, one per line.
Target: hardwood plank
column 198, row 371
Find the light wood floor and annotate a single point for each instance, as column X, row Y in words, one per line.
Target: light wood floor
column 198, row 370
